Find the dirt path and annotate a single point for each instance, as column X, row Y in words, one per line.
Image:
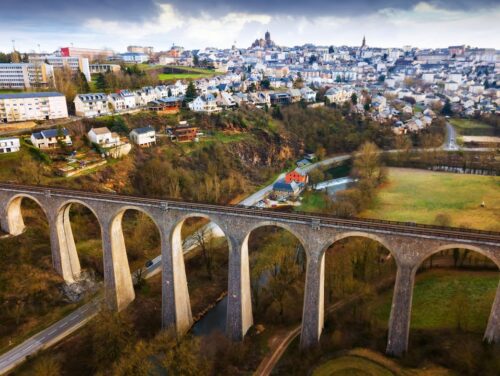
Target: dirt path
column 280, row 342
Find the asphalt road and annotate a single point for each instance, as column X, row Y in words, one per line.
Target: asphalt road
column 49, row 336
column 450, row 142
column 61, row 329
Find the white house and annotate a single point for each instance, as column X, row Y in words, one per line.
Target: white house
column 104, row 137
column 128, row 98
column 308, row 94
column 91, row 105
column 144, row 137
column 9, row 145
column 204, row 103
column 451, row 86
column 51, row 138
column 225, row 100
column 161, row 91
column 116, row 101
column 339, row 95
column 145, row 95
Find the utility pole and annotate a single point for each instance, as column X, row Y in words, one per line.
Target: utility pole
column 15, row 58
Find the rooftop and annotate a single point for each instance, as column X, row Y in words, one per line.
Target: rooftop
column 45, row 94
column 102, row 130
column 144, row 130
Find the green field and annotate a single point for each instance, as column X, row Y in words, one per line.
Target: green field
column 313, row 202
column 419, row 195
column 182, row 76
column 193, row 69
column 468, row 127
column 187, row 73
column 443, row 298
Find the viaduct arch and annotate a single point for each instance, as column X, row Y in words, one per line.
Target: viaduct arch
column 409, row 244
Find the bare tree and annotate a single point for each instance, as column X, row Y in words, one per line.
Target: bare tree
column 203, row 238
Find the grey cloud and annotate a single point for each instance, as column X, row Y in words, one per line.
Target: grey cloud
column 67, row 12
column 64, row 12
column 317, row 7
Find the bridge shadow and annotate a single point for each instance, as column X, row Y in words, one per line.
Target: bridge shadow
column 358, row 270
column 29, row 285
column 277, row 276
column 205, row 250
column 86, row 236
column 453, row 299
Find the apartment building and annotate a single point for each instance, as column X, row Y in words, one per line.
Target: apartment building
column 74, row 63
column 91, row 105
column 32, row 106
column 147, row 50
column 26, row 75
column 88, row 53
column 104, row 68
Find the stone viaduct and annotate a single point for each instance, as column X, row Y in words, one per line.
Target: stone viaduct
column 409, row 244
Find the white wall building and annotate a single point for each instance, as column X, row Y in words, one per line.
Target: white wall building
column 74, row 63
column 204, row 103
column 104, row 68
column 91, row 105
column 50, row 139
column 9, row 145
column 116, row 101
column 145, row 136
column 32, row 106
column 133, row 57
column 104, row 137
column 26, row 75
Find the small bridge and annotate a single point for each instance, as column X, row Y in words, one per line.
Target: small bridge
column 409, row 244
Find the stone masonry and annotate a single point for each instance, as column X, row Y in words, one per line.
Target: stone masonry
column 408, row 246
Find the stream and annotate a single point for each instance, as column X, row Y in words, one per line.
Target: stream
column 215, row 319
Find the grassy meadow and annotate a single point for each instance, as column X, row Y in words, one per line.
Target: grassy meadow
column 366, row 362
column 182, row 76
column 351, row 365
column 186, row 73
column 444, row 299
column 469, row 127
column 419, row 196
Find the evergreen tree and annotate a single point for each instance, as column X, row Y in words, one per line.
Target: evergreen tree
column 83, row 83
column 100, row 82
column 354, row 99
column 447, row 111
column 277, row 113
column 191, row 93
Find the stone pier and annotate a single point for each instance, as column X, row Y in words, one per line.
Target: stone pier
column 410, row 245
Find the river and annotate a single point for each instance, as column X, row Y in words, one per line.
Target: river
column 335, row 185
column 215, row 319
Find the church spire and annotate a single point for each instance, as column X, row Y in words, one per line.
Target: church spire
column 363, row 45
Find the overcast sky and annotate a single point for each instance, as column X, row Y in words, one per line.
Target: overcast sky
column 221, row 23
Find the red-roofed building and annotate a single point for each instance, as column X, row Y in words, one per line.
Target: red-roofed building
column 297, row 176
